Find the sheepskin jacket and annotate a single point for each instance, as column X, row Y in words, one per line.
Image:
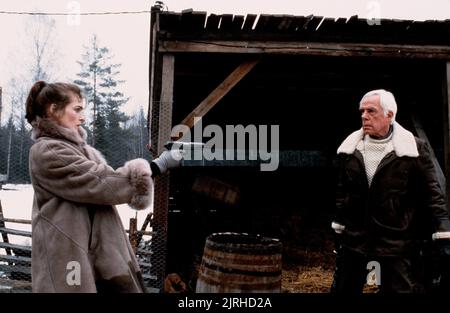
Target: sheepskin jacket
column 79, row 242
column 402, row 208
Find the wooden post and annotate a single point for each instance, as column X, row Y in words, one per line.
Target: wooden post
column 2, row 225
column 166, row 99
column 133, row 234
column 147, row 222
column 154, row 23
column 161, row 194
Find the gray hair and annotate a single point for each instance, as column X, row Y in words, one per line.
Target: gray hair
column 387, row 101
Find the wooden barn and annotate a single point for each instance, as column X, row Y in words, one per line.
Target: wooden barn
column 271, row 97
column 305, row 74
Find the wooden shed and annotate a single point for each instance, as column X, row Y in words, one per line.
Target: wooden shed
column 305, row 74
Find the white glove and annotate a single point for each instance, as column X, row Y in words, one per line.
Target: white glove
column 169, row 159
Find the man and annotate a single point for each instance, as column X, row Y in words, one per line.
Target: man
column 389, row 202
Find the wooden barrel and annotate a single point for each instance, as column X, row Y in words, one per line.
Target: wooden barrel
column 239, row 262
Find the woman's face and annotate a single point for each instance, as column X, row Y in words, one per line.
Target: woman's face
column 72, row 116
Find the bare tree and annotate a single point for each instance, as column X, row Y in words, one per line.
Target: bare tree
column 42, row 33
column 35, row 61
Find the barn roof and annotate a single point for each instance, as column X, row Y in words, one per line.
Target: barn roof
column 192, row 31
column 191, row 24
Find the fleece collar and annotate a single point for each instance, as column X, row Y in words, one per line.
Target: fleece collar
column 47, row 127
column 403, row 141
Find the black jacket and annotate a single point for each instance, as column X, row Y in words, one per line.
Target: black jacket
column 403, row 206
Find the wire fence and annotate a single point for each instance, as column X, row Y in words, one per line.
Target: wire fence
column 16, row 197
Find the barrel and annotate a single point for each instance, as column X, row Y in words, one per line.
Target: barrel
column 240, row 263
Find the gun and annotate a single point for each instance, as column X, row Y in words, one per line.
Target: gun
column 183, row 145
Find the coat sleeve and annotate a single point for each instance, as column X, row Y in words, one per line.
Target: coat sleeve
column 338, row 223
column 63, row 171
column 435, row 193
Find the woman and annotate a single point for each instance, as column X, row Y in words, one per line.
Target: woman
column 79, row 243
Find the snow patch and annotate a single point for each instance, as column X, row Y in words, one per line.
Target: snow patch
column 17, row 202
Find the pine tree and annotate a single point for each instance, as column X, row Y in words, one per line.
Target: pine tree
column 11, row 132
column 4, row 140
column 140, row 136
column 98, row 80
column 24, row 143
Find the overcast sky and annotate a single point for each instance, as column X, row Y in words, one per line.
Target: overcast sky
column 128, row 35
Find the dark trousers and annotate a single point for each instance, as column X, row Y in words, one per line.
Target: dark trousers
column 397, row 274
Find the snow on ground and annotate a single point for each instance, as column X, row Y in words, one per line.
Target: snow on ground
column 17, row 201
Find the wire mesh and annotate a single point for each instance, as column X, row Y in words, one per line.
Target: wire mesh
column 15, row 254
column 15, row 224
column 125, row 142
column 161, row 120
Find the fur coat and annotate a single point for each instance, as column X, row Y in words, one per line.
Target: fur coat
column 404, row 206
column 79, row 242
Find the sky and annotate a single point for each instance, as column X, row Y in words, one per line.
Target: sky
column 127, row 35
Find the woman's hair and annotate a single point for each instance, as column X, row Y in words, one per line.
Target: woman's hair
column 42, row 94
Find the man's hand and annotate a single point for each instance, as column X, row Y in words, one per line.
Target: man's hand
column 169, row 159
column 443, row 259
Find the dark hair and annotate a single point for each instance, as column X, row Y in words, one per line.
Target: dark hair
column 42, row 94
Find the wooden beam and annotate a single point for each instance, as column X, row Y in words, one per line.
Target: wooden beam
column 18, row 260
column 166, row 99
column 154, row 28
column 2, row 225
column 446, row 100
column 211, row 100
column 161, row 182
column 132, row 234
column 307, row 48
column 17, row 232
column 147, row 221
column 23, row 269
column 14, row 220
column 26, row 249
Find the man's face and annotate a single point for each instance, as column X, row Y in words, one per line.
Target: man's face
column 374, row 122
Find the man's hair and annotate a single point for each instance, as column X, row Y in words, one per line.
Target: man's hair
column 387, row 101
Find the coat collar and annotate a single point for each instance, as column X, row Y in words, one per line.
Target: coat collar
column 403, row 141
column 47, row 127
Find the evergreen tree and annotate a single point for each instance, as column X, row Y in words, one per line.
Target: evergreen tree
column 98, row 79
column 140, row 136
column 23, row 146
column 4, row 151
column 10, row 134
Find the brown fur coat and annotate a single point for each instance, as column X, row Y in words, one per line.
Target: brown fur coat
column 79, row 242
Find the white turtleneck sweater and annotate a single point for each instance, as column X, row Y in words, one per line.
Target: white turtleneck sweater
column 373, row 151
